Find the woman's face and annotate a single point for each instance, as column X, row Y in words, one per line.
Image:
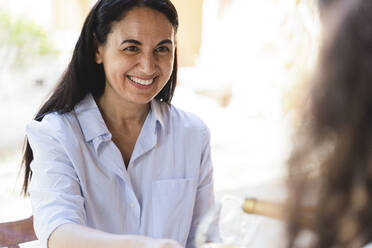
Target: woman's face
column 138, row 56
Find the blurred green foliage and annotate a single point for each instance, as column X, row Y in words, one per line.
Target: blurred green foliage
column 22, row 41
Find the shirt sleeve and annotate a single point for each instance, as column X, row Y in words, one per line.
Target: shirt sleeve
column 54, row 188
column 204, row 196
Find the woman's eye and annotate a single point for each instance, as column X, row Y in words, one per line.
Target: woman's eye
column 131, row 49
column 162, row 49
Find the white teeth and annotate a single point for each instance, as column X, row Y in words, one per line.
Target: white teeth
column 140, row 81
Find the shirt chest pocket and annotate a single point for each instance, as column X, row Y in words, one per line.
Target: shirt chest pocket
column 172, row 208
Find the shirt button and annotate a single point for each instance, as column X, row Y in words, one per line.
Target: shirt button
column 132, row 205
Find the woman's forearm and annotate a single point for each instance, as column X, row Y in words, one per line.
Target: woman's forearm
column 72, row 235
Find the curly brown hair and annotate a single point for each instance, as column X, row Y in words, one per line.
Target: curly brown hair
column 331, row 164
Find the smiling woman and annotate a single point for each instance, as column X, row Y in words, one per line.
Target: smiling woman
column 137, row 57
column 113, row 163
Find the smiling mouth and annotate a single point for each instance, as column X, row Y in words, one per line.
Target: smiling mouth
column 141, row 81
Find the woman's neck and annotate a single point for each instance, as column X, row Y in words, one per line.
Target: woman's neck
column 121, row 114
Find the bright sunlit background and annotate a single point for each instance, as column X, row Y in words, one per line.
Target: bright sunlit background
column 243, row 68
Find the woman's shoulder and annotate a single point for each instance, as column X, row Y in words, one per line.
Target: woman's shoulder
column 54, row 124
column 180, row 118
column 188, row 118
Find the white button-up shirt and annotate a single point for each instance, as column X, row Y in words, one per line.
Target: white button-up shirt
column 79, row 175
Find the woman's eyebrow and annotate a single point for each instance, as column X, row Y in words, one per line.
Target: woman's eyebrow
column 131, row 41
column 166, row 41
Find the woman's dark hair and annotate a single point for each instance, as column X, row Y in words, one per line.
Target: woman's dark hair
column 84, row 75
column 331, row 164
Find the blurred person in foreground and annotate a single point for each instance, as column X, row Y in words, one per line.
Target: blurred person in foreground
column 111, row 163
column 331, row 165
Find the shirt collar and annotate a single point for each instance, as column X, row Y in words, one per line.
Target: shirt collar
column 90, row 119
column 158, row 111
column 92, row 123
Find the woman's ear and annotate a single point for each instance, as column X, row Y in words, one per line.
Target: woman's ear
column 99, row 55
column 98, row 50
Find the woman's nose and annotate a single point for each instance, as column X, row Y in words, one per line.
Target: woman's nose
column 147, row 64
